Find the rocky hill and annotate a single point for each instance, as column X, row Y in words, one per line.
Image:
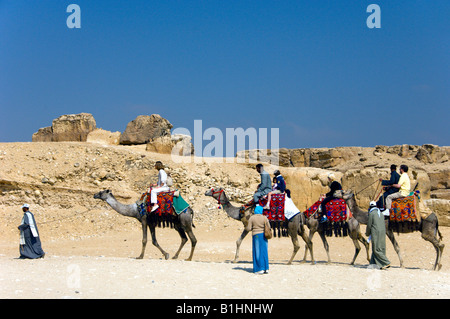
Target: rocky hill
column 59, row 179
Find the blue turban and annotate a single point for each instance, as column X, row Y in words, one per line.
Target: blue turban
column 258, row 209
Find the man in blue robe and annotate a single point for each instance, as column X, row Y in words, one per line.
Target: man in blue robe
column 30, row 244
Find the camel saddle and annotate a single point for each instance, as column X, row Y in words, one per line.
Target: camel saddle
column 337, row 216
column 165, row 213
column 275, row 214
column 404, row 216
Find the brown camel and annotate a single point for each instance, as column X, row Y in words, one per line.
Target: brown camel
column 429, row 227
column 182, row 223
column 354, row 233
column 295, row 225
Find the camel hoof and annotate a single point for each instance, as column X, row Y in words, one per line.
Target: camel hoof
column 166, row 256
column 140, row 257
column 174, row 257
column 188, row 259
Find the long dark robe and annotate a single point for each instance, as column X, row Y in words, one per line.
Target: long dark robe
column 30, row 243
column 377, row 229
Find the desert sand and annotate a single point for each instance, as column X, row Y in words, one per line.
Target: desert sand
column 104, row 267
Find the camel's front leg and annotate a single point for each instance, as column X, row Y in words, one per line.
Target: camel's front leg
column 155, row 242
column 238, row 245
column 144, row 237
column 183, row 240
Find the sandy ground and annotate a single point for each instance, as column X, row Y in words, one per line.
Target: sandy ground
column 104, row 267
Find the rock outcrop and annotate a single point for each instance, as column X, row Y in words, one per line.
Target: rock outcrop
column 67, row 128
column 100, row 136
column 145, row 128
column 177, row 144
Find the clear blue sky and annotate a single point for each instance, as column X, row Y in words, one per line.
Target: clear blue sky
column 311, row 68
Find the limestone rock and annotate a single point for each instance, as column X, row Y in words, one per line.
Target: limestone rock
column 100, row 136
column 145, row 128
column 69, row 127
column 177, row 144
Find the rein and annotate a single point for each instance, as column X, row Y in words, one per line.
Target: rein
column 220, row 194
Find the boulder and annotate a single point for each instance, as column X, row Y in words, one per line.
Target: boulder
column 73, row 127
column 69, row 127
column 44, row 134
column 100, row 136
column 145, row 128
column 441, row 207
column 179, row 144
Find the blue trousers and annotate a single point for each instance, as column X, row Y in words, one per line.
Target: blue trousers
column 260, row 253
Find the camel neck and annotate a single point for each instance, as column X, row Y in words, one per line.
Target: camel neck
column 231, row 210
column 360, row 215
column 122, row 209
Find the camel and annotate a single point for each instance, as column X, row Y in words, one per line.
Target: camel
column 354, row 233
column 295, row 225
column 429, row 227
column 182, row 224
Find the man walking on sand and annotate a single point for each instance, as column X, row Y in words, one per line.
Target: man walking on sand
column 30, row 243
column 376, row 229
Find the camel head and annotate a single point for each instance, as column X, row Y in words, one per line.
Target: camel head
column 103, row 195
column 218, row 194
column 214, row 192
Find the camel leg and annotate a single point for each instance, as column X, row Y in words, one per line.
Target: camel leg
column 191, row 235
column 155, row 242
column 325, row 245
column 439, row 249
column 310, row 237
column 144, row 237
column 363, row 240
column 355, row 238
column 183, row 240
column 391, row 237
column 294, row 239
column 429, row 229
column 307, row 242
column 238, row 245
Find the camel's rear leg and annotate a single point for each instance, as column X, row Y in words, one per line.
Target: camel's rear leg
column 238, row 245
column 439, row 249
column 294, row 239
column 191, row 235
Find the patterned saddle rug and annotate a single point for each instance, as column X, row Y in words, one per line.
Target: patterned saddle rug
column 404, row 216
column 164, row 215
column 336, row 216
column 275, row 214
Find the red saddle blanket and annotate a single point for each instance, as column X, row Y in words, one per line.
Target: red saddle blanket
column 276, row 211
column 336, row 210
column 404, row 210
column 165, row 203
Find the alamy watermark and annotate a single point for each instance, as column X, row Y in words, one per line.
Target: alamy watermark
column 74, row 19
column 217, row 145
